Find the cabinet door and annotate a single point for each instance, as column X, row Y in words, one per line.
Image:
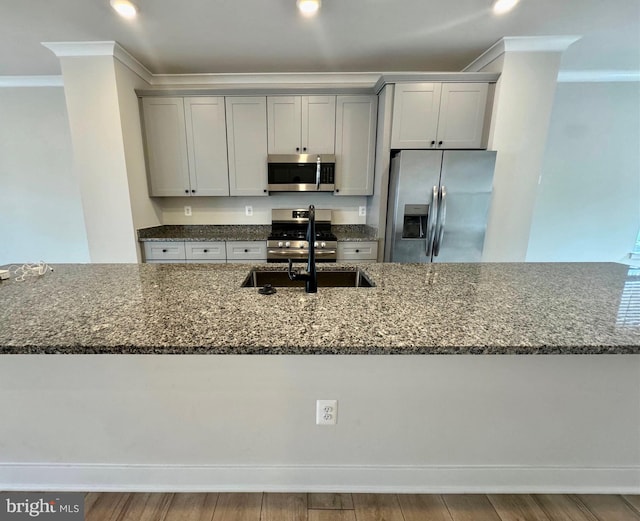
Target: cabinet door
column 246, row 251
column 206, row 251
column 247, row 145
column 415, row 115
column 207, row 146
column 357, row 251
column 462, row 113
column 166, row 146
column 318, row 124
column 284, row 124
column 355, row 144
column 164, row 251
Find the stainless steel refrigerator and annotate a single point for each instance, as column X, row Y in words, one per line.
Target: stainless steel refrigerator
column 438, row 205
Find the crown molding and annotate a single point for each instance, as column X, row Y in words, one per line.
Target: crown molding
column 453, row 77
column 66, row 49
column 598, row 76
column 272, row 80
column 106, row 48
column 521, row 44
column 31, row 81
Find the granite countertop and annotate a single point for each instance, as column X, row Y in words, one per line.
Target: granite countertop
column 206, row 232
column 414, row 309
column 242, row 232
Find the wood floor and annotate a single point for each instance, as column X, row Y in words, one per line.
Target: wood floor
column 359, row 507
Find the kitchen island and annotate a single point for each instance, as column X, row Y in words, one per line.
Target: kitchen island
column 208, row 407
column 413, row 309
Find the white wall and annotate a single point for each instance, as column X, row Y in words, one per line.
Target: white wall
column 377, row 203
column 457, row 423
column 588, row 202
column 145, row 211
column 231, row 210
column 40, row 206
column 519, row 128
column 99, row 156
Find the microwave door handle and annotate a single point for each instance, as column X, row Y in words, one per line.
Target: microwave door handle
column 318, row 173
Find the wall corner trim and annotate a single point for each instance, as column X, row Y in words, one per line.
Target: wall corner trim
column 106, row 48
column 521, row 44
column 31, row 81
column 598, row 76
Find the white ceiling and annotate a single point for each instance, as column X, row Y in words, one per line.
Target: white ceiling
column 196, row 36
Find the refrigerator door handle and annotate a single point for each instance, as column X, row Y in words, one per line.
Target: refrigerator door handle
column 442, row 215
column 432, row 220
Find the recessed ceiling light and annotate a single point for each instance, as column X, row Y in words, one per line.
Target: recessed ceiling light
column 124, row 8
column 308, row 7
column 504, row 6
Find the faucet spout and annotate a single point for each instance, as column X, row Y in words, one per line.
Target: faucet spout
column 311, row 285
column 310, row 276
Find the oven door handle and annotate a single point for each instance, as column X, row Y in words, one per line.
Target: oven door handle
column 299, row 253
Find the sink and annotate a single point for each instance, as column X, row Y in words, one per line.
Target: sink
column 348, row 278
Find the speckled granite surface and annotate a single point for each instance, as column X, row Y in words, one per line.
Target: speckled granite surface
column 239, row 232
column 354, row 232
column 230, row 232
column 414, row 309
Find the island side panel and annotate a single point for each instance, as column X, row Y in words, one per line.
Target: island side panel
column 405, row 423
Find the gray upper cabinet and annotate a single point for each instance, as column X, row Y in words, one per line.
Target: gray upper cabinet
column 301, row 124
column 439, row 115
column 166, row 145
column 207, row 145
column 355, row 144
column 247, row 144
column 186, row 146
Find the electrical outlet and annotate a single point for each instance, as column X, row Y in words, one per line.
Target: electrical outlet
column 248, row 211
column 187, row 211
column 362, row 211
column 326, row 412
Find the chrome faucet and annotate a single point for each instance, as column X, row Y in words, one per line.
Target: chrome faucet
column 310, row 276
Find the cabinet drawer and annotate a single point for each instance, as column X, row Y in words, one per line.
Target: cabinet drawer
column 164, row 251
column 246, row 250
column 348, row 251
column 206, row 251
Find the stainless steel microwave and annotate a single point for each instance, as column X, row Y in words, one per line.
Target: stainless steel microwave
column 301, row 173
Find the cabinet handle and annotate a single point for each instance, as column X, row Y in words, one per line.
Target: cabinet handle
column 246, row 251
column 206, row 251
column 337, row 190
column 164, row 251
column 433, row 143
column 186, row 191
column 297, row 149
column 265, row 190
column 357, row 251
column 193, row 191
column 304, row 149
column 439, row 143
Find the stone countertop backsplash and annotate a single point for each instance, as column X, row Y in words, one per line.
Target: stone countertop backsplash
column 414, row 309
column 242, row 232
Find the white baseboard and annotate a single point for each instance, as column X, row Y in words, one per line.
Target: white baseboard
column 319, row 478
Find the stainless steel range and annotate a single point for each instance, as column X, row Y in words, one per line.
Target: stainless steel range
column 288, row 241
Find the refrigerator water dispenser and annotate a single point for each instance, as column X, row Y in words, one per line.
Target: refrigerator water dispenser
column 415, row 221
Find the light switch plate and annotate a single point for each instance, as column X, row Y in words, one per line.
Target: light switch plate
column 248, row 211
column 362, row 211
column 187, row 211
